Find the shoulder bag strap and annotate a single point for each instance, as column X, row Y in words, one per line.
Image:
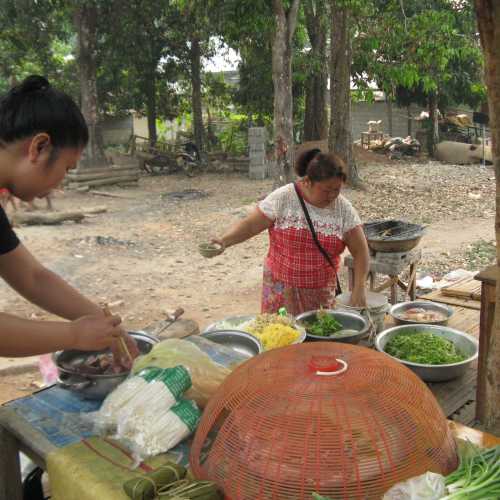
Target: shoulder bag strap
column 338, row 289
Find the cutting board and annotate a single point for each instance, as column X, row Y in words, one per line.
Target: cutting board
column 469, row 288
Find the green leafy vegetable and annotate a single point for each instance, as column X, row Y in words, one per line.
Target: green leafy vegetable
column 319, row 497
column 324, row 325
column 423, row 347
column 477, row 476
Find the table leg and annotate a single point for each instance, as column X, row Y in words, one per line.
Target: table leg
column 394, row 289
column 10, row 468
column 412, row 283
column 488, row 297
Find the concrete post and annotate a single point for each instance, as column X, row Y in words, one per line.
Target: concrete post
column 257, row 153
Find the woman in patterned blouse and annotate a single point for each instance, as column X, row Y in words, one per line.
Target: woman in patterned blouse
column 296, row 274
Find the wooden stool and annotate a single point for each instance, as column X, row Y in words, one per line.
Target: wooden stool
column 391, row 265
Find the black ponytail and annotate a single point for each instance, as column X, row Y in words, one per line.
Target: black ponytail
column 33, row 107
column 318, row 166
column 303, row 161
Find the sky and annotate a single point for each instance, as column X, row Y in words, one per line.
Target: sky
column 226, row 60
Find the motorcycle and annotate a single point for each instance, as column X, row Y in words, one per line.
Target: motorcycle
column 189, row 159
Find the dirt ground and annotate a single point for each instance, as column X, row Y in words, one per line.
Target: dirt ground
column 143, row 250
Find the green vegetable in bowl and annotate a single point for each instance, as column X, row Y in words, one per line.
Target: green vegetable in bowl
column 423, row 347
column 325, row 325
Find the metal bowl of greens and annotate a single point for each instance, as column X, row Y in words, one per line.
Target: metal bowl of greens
column 330, row 324
column 435, row 353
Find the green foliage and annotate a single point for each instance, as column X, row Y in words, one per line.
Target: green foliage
column 233, row 138
column 421, row 47
column 480, row 253
column 36, row 38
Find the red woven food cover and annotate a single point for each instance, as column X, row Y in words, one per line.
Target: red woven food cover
column 344, row 421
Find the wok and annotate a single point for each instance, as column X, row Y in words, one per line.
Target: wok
column 94, row 386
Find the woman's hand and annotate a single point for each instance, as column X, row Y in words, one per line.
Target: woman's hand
column 358, row 297
column 219, row 243
column 95, row 333
column 120, row 357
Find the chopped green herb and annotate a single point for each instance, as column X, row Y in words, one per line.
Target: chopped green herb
column 423, row 347
column 325, row 325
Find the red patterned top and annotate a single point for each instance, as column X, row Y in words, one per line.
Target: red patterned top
column 293, row 256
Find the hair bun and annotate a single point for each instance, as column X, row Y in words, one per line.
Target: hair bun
column 32, row 84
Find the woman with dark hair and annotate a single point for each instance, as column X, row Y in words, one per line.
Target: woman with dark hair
column 42, row 136
column 310, row 223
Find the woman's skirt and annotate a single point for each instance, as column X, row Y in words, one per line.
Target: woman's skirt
column 276, row 294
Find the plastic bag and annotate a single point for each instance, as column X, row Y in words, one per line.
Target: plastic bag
column 206, row 374
column 428, row 486
column 48, row 369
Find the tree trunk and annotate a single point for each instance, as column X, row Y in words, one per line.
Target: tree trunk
column 389, row 115
column 285, row 23
column 488, row 15
column 198, row 131
column 151, row 108
column 340, row 138
column 409, row 120
column 315, row 115
column 85, row 17
column 433, row 136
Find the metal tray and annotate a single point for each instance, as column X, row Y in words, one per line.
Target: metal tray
column 241, row 342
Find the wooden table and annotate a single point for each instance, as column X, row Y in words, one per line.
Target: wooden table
column 488, row 279
column 16, row 434
column 455, row 395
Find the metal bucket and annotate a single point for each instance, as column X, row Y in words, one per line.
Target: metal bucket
column 377, row 308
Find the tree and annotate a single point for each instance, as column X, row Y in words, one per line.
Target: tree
column 285, row 24
column 142, row 47
column 340, row 138
column 425, row 51
column 254, row 95
column 196, row 26
column 33, row 41
column 315, row 115
column 488, row 16
column 247, row 24
column 85, row 16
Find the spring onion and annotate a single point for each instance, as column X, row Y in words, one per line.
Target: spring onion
column 477, row 476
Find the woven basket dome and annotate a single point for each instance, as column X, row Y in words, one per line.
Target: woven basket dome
column 340, row 420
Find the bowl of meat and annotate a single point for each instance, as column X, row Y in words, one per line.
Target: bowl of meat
column 93, row 374
column 421, row 311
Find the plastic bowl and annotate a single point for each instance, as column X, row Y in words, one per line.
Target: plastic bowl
column 209, row 250
column 434, row 373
